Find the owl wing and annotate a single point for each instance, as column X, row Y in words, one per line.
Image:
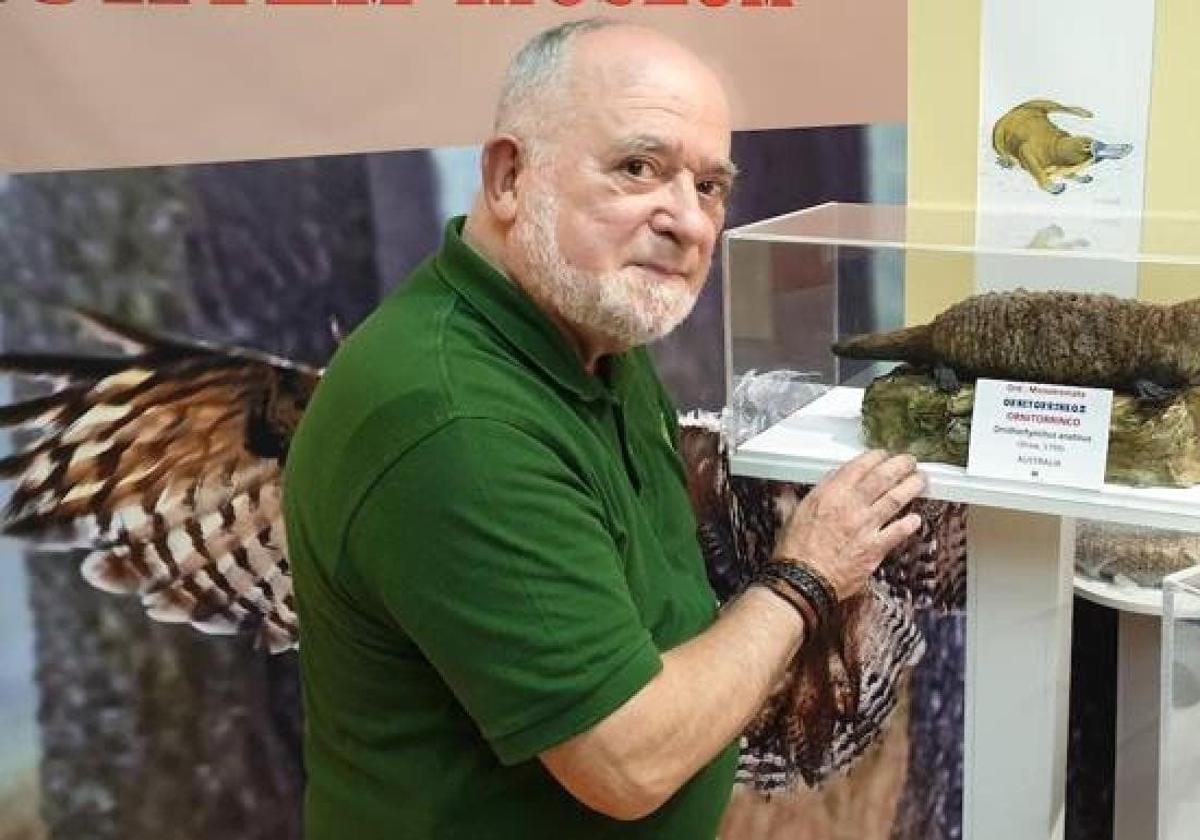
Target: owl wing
column 163, row 463
column 837, row 697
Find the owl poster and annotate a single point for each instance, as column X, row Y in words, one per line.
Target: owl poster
column 146, row 697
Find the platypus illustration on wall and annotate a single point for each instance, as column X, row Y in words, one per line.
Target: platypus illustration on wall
column 1026, row 135
column 1057, row 337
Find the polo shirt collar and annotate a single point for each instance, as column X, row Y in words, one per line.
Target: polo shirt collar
column 503, row 304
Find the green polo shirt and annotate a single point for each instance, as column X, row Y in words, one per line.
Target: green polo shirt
column 490, row 550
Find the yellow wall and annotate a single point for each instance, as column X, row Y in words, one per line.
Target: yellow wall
column 1172, row 176
column 943, row 121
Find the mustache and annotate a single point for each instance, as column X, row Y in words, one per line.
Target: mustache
column 670, row 263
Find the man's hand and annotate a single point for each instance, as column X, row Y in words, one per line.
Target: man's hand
column 843, row 526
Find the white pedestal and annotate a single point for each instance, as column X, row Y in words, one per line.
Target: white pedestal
column 1018, row 674
column 1019, row 608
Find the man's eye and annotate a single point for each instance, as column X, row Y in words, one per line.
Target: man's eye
column 636, row 167
column 713, row 188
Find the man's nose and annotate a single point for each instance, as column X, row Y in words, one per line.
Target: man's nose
column 681, row 214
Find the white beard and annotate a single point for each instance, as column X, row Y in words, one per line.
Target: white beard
column 622, row 308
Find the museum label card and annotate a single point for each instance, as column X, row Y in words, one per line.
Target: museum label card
column 1047, row 434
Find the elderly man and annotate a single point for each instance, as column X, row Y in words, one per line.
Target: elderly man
column 508, row 630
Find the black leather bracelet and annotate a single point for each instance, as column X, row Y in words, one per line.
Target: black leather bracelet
column 801, row 581
column 830, row 593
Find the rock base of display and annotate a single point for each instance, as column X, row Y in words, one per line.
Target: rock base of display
column 1148, row 445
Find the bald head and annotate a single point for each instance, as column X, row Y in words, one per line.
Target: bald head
column 561, row 70
column 537, row 76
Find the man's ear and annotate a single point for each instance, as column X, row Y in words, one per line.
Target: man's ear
column 504, row 160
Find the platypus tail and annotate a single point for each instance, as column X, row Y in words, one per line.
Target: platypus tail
column 911, row 344
column 1049, row 106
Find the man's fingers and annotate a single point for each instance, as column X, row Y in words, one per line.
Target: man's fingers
column 853, row 470
column 894, row 535
column 885, row 476
column 894, row 500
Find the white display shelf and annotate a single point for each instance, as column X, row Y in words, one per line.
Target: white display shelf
column 1143, row 600
column 827, row 433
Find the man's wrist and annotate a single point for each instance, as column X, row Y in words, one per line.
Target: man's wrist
column 782, row 612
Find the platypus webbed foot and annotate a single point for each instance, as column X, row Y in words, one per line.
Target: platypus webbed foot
column 946, row 378
column 1152, row 395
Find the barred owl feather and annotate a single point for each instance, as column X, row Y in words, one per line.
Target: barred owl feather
column 164, row 463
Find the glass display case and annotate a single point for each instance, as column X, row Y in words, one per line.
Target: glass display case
column 1179, row 756
column 798, row 283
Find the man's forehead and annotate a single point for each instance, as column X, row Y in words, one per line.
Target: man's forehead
column 649, row 116
column 632, row 48
column 615, row 64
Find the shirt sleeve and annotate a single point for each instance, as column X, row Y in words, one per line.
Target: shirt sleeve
column 496, row 558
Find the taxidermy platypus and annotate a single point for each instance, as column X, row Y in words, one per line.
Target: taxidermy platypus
column 1059, row 337
column 1025, row 135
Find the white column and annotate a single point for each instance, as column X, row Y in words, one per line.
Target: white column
column 1019, row 590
